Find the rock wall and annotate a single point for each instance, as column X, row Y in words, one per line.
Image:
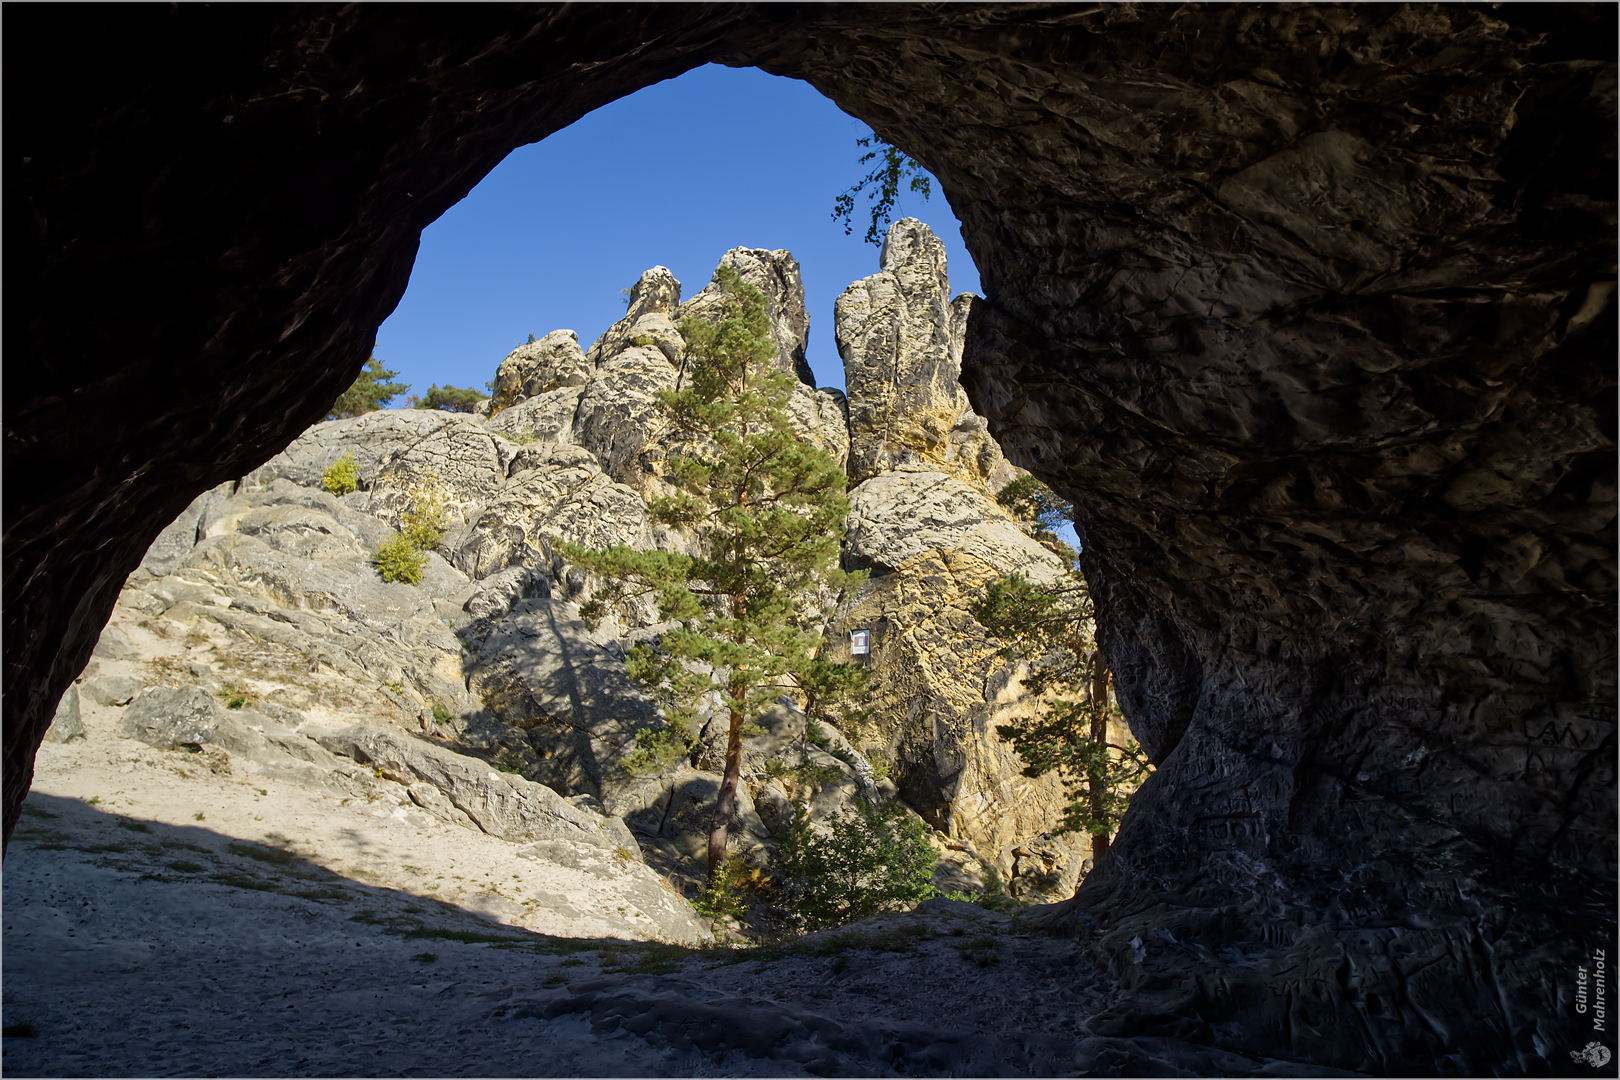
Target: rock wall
column 1309, row 307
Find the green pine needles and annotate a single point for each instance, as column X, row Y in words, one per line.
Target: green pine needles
column 1050, row 626
column 872, row 859
column 368, row 393
column 768, row 509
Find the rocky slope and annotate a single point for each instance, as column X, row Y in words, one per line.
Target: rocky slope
column 270, row 579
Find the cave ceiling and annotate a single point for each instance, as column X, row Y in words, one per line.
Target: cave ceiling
column 1309, row 308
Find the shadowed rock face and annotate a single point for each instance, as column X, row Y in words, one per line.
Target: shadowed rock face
column 1309, row 309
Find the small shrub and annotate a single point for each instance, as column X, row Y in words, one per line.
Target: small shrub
column 426, row 958
column 400, row 560
column 235, row 696
column 441, row 715
column 880, row 767
column 645, row 341
column 776, row 768
column 423, row 525
column 813, row 736
column 721, row 897
column 198, row 816
column 342, row 476
column 875, row 859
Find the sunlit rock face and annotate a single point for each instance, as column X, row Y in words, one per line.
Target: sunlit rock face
column 1310, row 309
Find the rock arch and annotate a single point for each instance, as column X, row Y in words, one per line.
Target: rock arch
column 1311, row 309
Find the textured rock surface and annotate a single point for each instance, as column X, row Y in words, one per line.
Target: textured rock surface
column 1311, row 307
column 938, row 693
column 539, row 367
column 540, row 671
column 66, row 724
column 900, row 335
column 897, row 516
column 502, row 805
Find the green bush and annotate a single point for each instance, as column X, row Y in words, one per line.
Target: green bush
column 423, row 524
column 368, row 393
column 441, row 715
column 876, row 859
column 721, row 898
column 342, row 476
column 656, row 750
column 400, row 560
column 450, row 399
column 405, row 556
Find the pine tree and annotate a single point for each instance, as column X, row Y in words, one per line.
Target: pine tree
column 368, row 393
column 1050, row 626
column 884, row 180
column 449, row 398
column 768, row 509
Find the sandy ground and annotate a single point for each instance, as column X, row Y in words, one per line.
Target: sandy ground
column 169, row 914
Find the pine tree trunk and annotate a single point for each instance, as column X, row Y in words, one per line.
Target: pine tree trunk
column 726, row 805
column 1097, row 778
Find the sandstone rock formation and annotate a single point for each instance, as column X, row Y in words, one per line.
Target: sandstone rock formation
column 539, row 367
column 1312, row 305
column 939, row 692
column 900, row 335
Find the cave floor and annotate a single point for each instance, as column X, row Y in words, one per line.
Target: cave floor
column 162, row 919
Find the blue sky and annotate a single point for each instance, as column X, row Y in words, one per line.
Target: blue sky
column 676, row 174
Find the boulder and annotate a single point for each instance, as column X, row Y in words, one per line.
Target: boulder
column 503, row 805
column 175, row 542
column 373, row 440
column 301, row 531
column 545, row 418
column 114, row 644
column 555, row 491
column 167, row 717
column 113, row 689
column 776, row 274
column 619, row 418
column 656, row 293
column 901, row 339
column 66, row 725
column 539, row 367
column 453, row 459
column 497, row 593
column 898, row 515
